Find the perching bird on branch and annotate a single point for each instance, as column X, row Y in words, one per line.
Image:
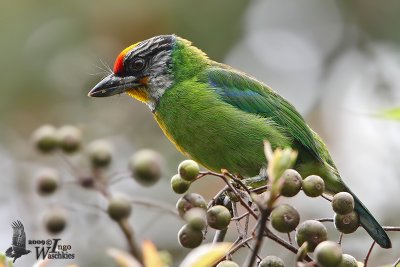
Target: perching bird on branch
column 220, row 116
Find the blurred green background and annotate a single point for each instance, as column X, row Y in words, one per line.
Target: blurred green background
column 338, row 62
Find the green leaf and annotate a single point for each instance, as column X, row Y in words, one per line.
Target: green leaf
column 390, row 114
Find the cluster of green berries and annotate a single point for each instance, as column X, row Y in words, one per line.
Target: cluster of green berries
column 192, row 208
column 47, row 138
column 346, row 219
column 188, row 170
column 285, row 219
column 145, row 166
column 47, row 182
column 292, row 183
column 329, row 254
column 68, row 139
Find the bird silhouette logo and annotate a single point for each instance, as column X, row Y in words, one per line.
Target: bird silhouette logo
column 18, row 246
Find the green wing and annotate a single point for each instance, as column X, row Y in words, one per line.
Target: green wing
column 254, row 97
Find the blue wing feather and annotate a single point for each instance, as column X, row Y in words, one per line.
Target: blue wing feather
column 252, row 96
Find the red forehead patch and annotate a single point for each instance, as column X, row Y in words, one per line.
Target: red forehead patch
column 119, row 62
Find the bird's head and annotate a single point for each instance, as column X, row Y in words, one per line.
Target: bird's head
column 146, row 69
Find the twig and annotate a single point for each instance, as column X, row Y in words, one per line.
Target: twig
column 340, row 239
column 252, row 249
column 237, row 223
column 128, row 232
column 100, row 187
column 120, row 173
column 153, row 204
column 238, row 218
column 326, row 197
column 391, row 228
column 259, row 236
column 244, row 204
column 260, row 189
column 214, row 199
column 202, row 174
column 117, row 179
column 283, row 243
column 238, row 181
column 73, row 169
column 325, row 220
column 369, row 254
column 229, row 185
column 246, row 224
column 239, row 245
column 289, row 239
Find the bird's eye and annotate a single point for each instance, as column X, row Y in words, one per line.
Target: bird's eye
column 138, row 64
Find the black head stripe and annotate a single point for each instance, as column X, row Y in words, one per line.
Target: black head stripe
column 152, row 46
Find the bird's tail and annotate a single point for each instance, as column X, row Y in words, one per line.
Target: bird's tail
column 373, row 228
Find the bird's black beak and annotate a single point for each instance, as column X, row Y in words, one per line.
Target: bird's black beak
column 112, row 85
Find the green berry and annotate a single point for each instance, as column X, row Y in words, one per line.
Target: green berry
column 70, row 138
column 343, row 203
column 227, row 263
column 285, row 218
column 328, row 254
column 348, row 261
column 45, row 138
column 347, row 223
column 146, row 166
column 100, row 153
column 55, row 221
column 291, row 183
column 189, row 237
column 48, row 181
column 196, row 218
column 218, row 217
column 179, row 185
column 188, row 170
column 271, row 261
column 314, row 232
column 119, row 208
column 189, row 201
column 313, row 186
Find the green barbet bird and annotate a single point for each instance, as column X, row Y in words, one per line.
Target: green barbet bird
column 219, row 116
